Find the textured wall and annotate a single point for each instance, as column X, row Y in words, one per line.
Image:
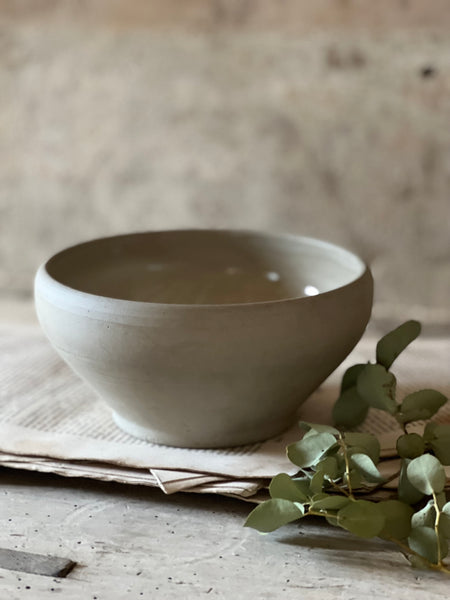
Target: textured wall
column 330, row 119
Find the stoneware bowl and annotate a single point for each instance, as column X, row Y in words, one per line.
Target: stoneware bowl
column 204, row 338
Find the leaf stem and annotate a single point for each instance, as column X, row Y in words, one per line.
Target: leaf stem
column 347, row 466
column 436, row 529
column 339, row 488
column 435, row 566
column 381, row 484
column 317, row 513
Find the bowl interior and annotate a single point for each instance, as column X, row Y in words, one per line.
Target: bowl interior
column 205, row 267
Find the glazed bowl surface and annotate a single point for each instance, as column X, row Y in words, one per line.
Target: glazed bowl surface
column 204, row 338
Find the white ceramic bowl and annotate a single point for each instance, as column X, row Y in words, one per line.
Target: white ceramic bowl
column 204, row 338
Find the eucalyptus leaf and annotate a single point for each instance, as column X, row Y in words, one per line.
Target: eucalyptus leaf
column 441, row 448
column 424, row 541
column 426, row 474
column 441, row 499
column 350, row 409
column 329, row 467
column 435, row 430
column 310, row 449
column 406, row 491
column 367, row 441
column 421, row 405
column 318, row 428
column 350, row 376
column 363, row 518
column 316, row 484
column 444, row 522
column 272, row 514
column 397, row 519
column 282, row 486
column 444, row 525
column 377, row 387
column 424, row 517
column 393, row 344
column 302, row 484
column 410, row 445
column 366, row 468
column 331, row 502
column 356, row 479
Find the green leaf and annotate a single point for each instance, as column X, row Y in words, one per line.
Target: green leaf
column 397, row 519
column 282, row 486
column 318, row 428
column 435, row 430
column 356, row 479
column 406, row 491
column 274, row 513
column 316, row 484
column 444, row 521
column 366, row 467
column 424, row 541
column 329, row 467
column 367, row 441
column 410, row 445
column 441, row 448
column 350, row 409
column 303, row 485
column 426, row 474
column 393, row 344
column 424, row 517
column 331, row 502
column 310, row 449
column 363, row 518
column 421, row 405
column 351, row 376
column 377, row 387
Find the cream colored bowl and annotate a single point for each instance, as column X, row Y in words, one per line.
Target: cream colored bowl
column 204, row 338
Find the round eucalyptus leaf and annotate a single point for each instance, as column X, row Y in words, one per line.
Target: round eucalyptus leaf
column 410, row 445
column 393, row 344
column 424, row 517
column 310, row 449
column 350, row 409
column 318, row 428
column 444, row 525
column 406, row 491
column 363, row 518
column 351, row 376
column 329, row 467
column 282, row 486
column 356, row 479
column 367, row 441
column 365, row 466
column 421, row 405
column 274, row 513
column 316, row 484
column 377, row 387
column 426, row 474
column 425, row 542
column 397, row 519
column 331, row 502
column 441, row 448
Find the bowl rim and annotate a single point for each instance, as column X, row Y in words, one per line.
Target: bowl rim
column 108, row 303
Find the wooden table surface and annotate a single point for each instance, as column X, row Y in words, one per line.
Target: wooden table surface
column 132, row 542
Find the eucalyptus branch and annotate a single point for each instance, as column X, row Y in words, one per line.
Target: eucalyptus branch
column 340, row 473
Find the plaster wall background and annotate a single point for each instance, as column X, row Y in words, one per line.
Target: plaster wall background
column 329, row 119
